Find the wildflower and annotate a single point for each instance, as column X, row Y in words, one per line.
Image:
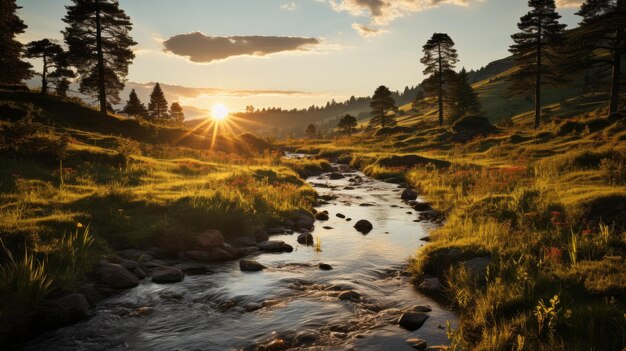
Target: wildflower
column 79, row 225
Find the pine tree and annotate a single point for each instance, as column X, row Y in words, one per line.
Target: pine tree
column 464, row 98
column 157, row 108
column 440, row 58
column 311, row 131
column 603, row 27
column 347, row 124
column 12, row 69
column 382, row 102
column 176, row 114
column 134, row 106
column 99, row 41
column 47, row 51
column 62, row 74
column 534, row 49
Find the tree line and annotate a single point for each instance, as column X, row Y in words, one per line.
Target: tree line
column 97, row 53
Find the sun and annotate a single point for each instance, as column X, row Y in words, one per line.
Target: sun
column 219, row 112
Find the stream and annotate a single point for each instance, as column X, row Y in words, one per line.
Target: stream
column 293, row 299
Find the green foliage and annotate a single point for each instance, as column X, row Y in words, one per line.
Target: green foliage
column 12, row 69
column 382, row 103
column 157, row 108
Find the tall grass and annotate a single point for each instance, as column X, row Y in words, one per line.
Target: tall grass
column 23, row 279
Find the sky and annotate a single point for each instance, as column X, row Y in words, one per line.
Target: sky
column 294, row 53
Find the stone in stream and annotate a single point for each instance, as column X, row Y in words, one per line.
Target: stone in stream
column 322, row 216
column 350, row 295
column 328, row 227
column 364, row 226
column 325, row 266
column 274, row 246
column 408, row 194
column 61, row 312
column 305, row 239
column 250, row 266
column 431, row 285
column 210, row 239
column 116, row 276
column 422, row 207
column 417, row 344
column 412, row 320
column 139, row 273
column 420, row 308
column 336, row 176
column 340, row 215
column 164, row 275
column 192, row 268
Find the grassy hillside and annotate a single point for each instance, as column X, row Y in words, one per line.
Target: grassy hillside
column 532, row 245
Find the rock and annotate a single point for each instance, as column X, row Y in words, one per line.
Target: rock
column 335, row 176
column 153, row 264
column 306, row 337
column 253, row 307
column 215, row 255
column 321, row 216
column 340, row 215
column 305, row 239
column 141, row 311
column 61, row 312
column 116, row 276
column 289, row 223
column 249, row 250
column 422, row 207
column 412, row 320
column 420, row 308
column 91, row 293
column 328, row 227
column 220, row 255
column 431, row 285
column 350, row 295
column 304, row 219
column 274, row 246
column 364, row 226
column 136, row 255
column 232, row 250
column 210, row 239
column 250, row 266
column 128, row 264
column 167, row 275
column 408, row 194
column 274, row 345
column 417, row 344
column 325, row 266
column 478, row 266
column 139, row 273
column 275, row 231
column 192, row 268
column 198, row 255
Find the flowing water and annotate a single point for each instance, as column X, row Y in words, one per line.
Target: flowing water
column 294, row 300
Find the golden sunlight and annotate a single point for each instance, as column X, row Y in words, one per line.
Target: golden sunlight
column 219, row 112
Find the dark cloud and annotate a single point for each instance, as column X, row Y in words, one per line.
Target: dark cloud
column 202, row 48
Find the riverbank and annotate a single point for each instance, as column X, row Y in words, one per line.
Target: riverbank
column 531, row 252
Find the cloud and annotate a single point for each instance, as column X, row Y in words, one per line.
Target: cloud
column 383, row 12
column 201, row 48
column 290, row 6
column 569, row 3
column 367, row 31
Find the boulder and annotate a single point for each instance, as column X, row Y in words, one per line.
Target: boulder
column 167, row 275
column 478, row 266
column 408, row 194
column 340, row 215
column 139, row 273
column 232, row 250
column 304, row 220
column 420, row 308
column 336, row 176
column 61, row 312
column 250, row 266
column 306, row 337
column 417, row 344
column 305, row 239
column 364, row 226
column 431, row 285
column 470, row 127
column 412, row 320
column 128, row 264
column 210, row 239
column 116, row 276
column 321, row 216
column 243, row 241
column 274, row 246
column 215, row 255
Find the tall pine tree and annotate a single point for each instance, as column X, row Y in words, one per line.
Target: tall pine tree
column 134, row 107
column 12, row 69
column 176, row 114
column 157, row 108
column 347, row 124
column 47, row 51
column 311, row 131
column 464, row 98
column 62, row 74
column 440, row 58
column 381, row 103
column 534, row 50
column 99, row 41
column 603, row 28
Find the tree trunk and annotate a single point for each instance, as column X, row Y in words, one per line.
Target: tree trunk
column 538, row 77
column 617, row 73
column 440, row 86
column 44, row 76
column 102, row 95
